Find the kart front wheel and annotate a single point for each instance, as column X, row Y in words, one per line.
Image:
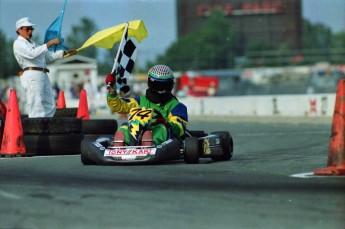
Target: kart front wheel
column 86, row 146
column 191, row 150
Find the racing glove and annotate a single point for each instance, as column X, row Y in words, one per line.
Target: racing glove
column 159, row 119
column 110, row 80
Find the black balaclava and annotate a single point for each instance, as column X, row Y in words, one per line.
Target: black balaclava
column 156, row 97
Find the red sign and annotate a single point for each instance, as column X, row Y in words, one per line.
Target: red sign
column 266, row 7
column 313, row 106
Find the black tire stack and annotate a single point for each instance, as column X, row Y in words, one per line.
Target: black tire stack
column 52, row 136
column 93, row 128
column 62, row 134
column 66, row 112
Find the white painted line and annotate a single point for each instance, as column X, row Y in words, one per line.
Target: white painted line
column 9, row 195
column 303, row 175
column 311, row 175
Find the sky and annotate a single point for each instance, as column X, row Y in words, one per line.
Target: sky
column 159, row 17
column 328, row 12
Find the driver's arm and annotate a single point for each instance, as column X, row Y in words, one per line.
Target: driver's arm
column 178, row 120
column 119, row 105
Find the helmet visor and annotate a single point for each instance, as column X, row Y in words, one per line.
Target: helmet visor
column 161, row 86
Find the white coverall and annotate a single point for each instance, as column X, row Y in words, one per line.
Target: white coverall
column 37, row 86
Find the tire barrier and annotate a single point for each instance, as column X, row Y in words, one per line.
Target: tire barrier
column 59, row 135
column 62, row 135
column 60, row 125
column 52, row 136
column 99, row 126
column 66, row 112
column 53, row 144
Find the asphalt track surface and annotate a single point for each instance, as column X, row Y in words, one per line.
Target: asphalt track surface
column 267, row 184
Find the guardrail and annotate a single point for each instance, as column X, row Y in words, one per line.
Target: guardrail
column 305, row 105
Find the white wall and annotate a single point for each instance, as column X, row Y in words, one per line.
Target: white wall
column 267, row 105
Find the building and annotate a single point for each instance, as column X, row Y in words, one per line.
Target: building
column 273, row 21
column 69, row 74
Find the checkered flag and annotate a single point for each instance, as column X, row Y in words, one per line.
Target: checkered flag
column 124, row 61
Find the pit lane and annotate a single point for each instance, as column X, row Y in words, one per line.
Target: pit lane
column 258, row 188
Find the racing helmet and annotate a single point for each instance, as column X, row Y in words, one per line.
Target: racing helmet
column 160, row 79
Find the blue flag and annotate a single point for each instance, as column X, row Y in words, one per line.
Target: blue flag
column 54, row 31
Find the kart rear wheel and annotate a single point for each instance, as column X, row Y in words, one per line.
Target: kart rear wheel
column 191, row 150
column 227, row 146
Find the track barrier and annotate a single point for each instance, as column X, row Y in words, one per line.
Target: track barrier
column 61, row 102
column 13, row 139
column 83, row 108
column 336, row 154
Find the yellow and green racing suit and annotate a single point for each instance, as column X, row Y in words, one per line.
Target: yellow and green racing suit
column 173, row 111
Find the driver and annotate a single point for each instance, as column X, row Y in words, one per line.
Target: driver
column 169, row 118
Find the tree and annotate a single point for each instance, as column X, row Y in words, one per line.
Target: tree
column 80, row 33
column 256, row 53
column 210, row 47
column 316, row 36
column 107, row 63
column 8, row 63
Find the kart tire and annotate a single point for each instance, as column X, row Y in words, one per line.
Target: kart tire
column 52, row 144
column 66, row 112
column 191, row 150
column 84, row 154
column 51, row 125
column 227, row 146
column 89, row 150
column 99, row 126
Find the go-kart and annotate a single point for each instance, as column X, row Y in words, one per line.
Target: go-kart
column 194, row 145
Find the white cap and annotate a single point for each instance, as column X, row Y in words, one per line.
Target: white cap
column 25, row 21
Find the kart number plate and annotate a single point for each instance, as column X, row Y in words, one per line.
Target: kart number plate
column 129, row 152
column 141, row 113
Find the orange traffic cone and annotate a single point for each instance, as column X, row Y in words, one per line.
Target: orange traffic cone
column 61, row 103
column 13, row 140
column 83, row 108
column 336, row 154
column 2, row 124
column 3, row 111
